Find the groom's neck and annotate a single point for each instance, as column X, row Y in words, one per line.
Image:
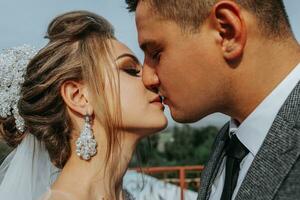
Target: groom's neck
column 264, row 65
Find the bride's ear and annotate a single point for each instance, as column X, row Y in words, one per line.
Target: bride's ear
column 76, row 97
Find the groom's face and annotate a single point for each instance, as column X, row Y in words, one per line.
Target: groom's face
column 184, row 67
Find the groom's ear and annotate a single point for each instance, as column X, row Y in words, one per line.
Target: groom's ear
column 76, row 97
column 228, row 21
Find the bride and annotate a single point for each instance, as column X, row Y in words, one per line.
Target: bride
column 76, row 115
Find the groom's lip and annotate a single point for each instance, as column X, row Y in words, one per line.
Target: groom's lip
column 165, row 101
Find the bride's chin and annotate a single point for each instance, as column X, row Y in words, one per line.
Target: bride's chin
column 155, row 128
column 147, row 126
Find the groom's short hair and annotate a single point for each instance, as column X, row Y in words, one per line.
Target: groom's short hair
column 190, row 14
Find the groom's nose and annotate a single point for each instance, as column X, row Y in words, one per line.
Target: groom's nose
column 150, row 78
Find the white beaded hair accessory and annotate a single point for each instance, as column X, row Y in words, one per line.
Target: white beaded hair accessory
column 13, row 64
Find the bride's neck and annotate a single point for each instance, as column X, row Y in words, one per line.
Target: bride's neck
column 97, row 178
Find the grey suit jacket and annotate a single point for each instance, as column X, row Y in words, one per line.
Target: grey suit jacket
column 275, row 170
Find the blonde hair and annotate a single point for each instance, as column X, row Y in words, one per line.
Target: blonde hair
column 78, row 49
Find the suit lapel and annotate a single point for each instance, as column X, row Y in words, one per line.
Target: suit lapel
column 276, row 157
column 213, row 164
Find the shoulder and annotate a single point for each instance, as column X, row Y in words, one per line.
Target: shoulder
column 290, row 187
column 56, row 195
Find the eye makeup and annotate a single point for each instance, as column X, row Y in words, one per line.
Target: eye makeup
column 129, row 64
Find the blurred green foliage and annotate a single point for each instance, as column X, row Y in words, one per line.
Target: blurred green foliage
column 184, row 145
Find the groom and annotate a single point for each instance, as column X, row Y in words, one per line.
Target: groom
column 238, row 57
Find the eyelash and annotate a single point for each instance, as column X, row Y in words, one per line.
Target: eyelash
column 132, row 72
column 156, row 56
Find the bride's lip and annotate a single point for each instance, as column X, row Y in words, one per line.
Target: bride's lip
column 157, row 101
column 158, row 104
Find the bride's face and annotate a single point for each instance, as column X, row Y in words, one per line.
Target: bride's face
column 142, row 109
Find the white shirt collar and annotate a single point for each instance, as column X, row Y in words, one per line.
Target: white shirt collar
column 255, row 127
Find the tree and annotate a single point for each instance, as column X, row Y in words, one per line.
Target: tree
column 188, row 146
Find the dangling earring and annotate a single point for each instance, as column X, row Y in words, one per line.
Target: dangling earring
column 86, row 144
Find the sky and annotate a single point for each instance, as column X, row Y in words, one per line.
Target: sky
column 25, row 22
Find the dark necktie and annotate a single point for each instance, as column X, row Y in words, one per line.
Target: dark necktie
column 235, row 152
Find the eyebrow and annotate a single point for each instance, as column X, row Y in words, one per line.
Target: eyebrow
column 148, row 44
column 128, row 55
